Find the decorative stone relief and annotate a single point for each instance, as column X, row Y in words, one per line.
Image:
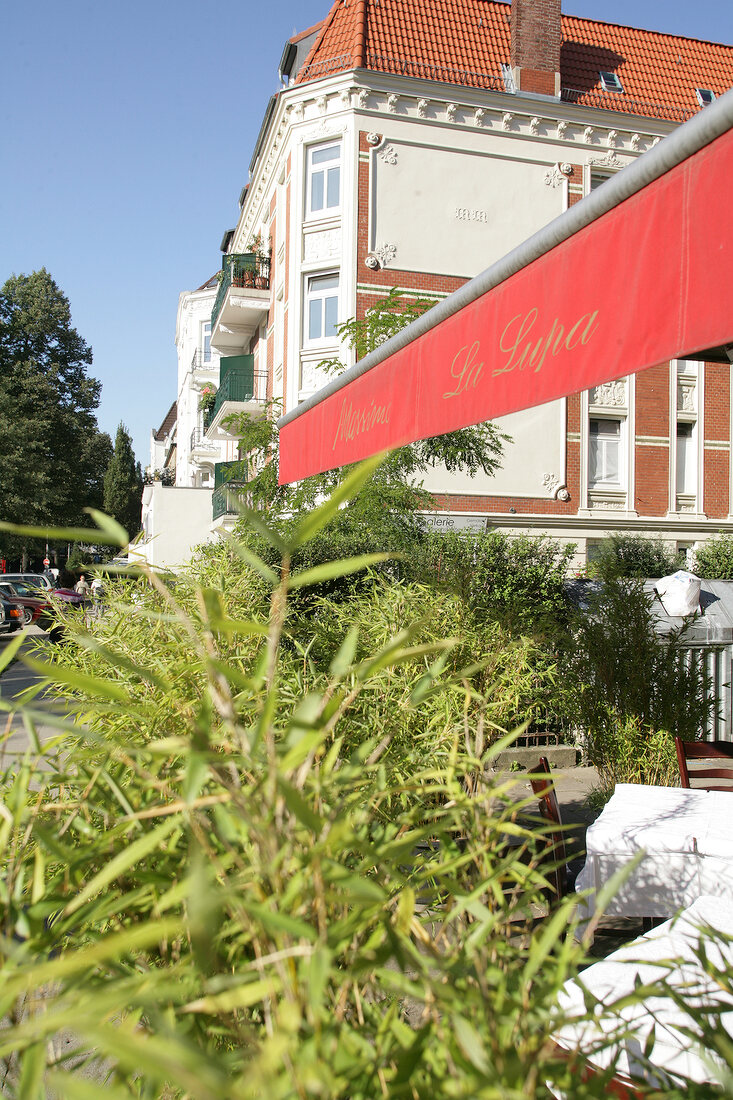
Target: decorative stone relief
column 321, row 104
column 562, row 127
column 345, row 97
column 478, row 116
column 372, row 263
column 555, row 175
column 373, row 139
column 613, row 138
column 322, row 246
column 388, row 154
column 686, row 397
column 608, row 505
column 392, row 101
column 685, row 506
column 506, row 120
column 298, row 112
column 311, row 378
column 422, row 108
column 450, row 112
column 656, row 141
column 588, row 135
column 385, row 253
column 610, row 160
column 635, row 141
column 362, row 98
column 610, row 395
column 554, row 487
column 534, row 126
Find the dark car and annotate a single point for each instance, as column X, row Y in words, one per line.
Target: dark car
column 36, row 609
column 11, row 615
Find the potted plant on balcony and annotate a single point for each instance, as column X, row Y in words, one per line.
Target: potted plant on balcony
column 261, row 250
column 207, row 398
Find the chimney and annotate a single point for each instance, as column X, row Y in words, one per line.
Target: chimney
column 536, row 37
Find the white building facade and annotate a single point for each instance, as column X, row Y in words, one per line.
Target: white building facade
column 374, row 171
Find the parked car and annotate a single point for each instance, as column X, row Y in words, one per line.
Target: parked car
column 36, row 608
column 11, row 616
column 40, row 582
column 32, row 580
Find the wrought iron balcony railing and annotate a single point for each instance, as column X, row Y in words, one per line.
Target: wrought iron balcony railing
column 224, row 500
column 246, row 269
column 198, row 440
column 242, row 387
column 614, row 102
column 199, row 363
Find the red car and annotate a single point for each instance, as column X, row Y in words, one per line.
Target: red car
column 34, row 607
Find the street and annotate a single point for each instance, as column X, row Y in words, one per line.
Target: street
column 16, row 739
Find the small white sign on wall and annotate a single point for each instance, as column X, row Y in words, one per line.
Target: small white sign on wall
column 442, row 521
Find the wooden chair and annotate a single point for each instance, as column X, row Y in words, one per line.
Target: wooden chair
column 550, row 811
column 711, row 760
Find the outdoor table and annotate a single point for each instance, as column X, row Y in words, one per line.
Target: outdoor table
column 617, row 1036
column 687, row 837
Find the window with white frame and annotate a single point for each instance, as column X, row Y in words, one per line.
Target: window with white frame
column 604, row 453
column 206, row 342
column 598, row 178
column 323, row 178
column 686, row 459
column 321, row 308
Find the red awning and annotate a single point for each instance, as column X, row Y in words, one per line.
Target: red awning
column 639, row 273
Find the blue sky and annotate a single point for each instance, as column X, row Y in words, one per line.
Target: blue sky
column 127, row 131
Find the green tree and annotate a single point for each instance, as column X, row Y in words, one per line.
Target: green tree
column 385, row 514
column 123, row 484
column 52, row 454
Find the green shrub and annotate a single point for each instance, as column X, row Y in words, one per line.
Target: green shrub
column 515, row 580
column 627, row 687
column 201, row 887
column 638, row 556
column 714, row 560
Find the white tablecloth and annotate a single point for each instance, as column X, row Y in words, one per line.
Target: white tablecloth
column 673, row 1053
column 687, row 836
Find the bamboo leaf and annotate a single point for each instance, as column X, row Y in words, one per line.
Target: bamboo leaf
column 471, row 1043
column 64, row 534
column 33, row 1063
column 109, row 525
column 349, row 487
column 244, row 996
column 115, row 946
column 122, row 862
column 344, row 657
column 7, row 656
column 275, row 922
column 299, row 807
column 332, row 569
column 81, row 681
column 250, row 558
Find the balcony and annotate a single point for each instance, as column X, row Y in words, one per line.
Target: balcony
column 203, row 370
column 199, row 444
column 243, row 299
column 242, row 390
column 230, row 483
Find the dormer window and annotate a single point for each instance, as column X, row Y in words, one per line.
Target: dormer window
column 704, row 96
column 611, row 82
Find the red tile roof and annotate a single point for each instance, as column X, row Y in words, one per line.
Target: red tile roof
column 304, row 34
column 467, row 41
